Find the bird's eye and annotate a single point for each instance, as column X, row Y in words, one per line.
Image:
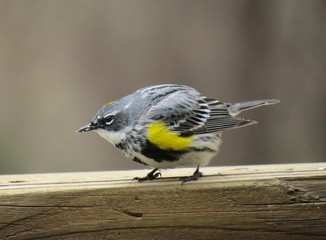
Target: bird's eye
column 109, row 119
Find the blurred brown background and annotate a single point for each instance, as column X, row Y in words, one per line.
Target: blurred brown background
column 62, row 60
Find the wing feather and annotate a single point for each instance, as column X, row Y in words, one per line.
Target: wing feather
column 210, row 116
column 185, row 111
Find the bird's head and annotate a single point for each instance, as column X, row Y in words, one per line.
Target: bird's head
column 110, row 122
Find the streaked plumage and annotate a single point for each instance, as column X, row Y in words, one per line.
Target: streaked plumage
column 190, row 123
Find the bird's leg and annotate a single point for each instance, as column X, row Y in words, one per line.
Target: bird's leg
column 150, row 176
column 194, row 177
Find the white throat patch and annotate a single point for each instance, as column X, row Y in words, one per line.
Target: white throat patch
column 113, row 137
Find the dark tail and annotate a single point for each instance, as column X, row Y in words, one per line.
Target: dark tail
column 237, row 108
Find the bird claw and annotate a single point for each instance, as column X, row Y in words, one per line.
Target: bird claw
column 150, row 176
column 194, row 177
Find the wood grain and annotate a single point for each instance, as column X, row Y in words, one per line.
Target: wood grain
column 240, row 202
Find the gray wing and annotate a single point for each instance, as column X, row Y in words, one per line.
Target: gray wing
column 172, row 105
column 218, row 118
column 185, row 111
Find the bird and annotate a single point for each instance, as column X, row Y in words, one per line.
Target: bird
column 168, row 126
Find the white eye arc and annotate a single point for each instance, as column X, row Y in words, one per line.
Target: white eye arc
column 109, row 119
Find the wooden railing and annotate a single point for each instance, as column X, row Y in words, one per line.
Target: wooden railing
column 240, row 202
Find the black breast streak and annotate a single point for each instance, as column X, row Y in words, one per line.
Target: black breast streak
column 121, row 146
column 150, row 150
column 138, row 160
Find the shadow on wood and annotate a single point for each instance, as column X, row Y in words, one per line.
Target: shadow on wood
column 245, row 202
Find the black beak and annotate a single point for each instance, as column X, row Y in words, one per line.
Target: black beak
column 88, row 127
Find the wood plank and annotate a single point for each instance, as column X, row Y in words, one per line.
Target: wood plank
column 239, row 202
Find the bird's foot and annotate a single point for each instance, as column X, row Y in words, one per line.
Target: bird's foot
column 150, row 176
column 194, row 177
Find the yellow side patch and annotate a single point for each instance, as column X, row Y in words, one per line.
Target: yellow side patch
column 159, row 134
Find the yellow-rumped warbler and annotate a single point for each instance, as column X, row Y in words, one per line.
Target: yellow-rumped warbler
column 169, row 125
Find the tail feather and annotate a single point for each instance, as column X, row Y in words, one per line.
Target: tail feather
column 237, row 108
